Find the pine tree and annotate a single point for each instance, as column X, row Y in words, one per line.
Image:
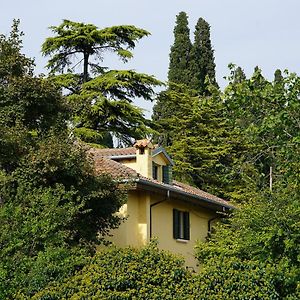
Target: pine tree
column 180, row 51
column 202, row 63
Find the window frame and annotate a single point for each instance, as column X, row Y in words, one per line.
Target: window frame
column 155, row 171
column 181, row 225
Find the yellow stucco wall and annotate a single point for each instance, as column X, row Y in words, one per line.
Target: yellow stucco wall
column 131, row 163
column 162, row 227
column 135, row 230
column 143, row 163
column 160, row 159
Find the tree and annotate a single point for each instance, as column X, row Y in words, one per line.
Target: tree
column 263, row 233
column 201, row 141
column 190, row 65
column 202, row 65
column 266, row 114
column 29, row 106
column 53, row 209
column 278, row 76
column 100, row 99
column 180, row 51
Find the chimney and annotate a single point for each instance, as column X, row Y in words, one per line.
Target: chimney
column 144, row 157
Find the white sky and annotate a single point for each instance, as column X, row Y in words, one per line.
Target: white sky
column 248, row 33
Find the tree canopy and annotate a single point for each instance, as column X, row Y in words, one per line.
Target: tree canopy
column 53, row 209
column 74, row 38
column 202, row 65
column 101, row 100
column 180, row 51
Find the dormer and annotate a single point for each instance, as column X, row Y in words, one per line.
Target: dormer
column 161, row 165
column 148, row 160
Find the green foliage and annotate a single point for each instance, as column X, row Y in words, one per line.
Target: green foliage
column 278, row 78
column 13, row 63
column 53, row 209
column 53, row 214
column 29, row 106
column 266, row 115
column 148, row 273
column 238, row 75
column 202, row 65
column 128, row 273
column 231, row 278
column 232, row 140
column 100, row 105
column 192, row 64
column 201, row 141
column 264, row 232
column 86, row 39
column 180, row 51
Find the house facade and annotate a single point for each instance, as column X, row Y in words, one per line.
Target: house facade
column 176, row 214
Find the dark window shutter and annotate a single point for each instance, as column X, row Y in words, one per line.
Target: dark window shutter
column 176, row 229
column 167, row 174
column 186, row 225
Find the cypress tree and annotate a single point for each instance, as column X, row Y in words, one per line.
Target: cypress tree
column 202, row 59
column 180, row 51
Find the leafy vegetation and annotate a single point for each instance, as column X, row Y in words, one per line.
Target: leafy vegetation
column 241, row 144
column 53, row 209
column 261, row 237
column 180, row 51
column 126, row 274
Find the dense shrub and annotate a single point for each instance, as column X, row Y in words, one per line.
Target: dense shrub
column 126, row 274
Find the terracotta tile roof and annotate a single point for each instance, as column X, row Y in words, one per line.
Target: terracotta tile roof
column 195, row 191
column 112, row 152
column 104, row 165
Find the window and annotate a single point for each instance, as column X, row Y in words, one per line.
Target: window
column 155, row 171
column 181, row 224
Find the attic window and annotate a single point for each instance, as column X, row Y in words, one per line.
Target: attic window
column 155, row 171
column 142, row 150
column 181, row 225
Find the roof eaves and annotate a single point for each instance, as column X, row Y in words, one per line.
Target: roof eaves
column 182, row 192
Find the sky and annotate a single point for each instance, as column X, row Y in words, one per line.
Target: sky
column 264, row 33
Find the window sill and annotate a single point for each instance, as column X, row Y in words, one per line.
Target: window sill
column 182, row 241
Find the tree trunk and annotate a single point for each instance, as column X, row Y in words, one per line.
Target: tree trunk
column 85, row 67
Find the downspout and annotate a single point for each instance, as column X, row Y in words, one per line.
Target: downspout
column 154, row 204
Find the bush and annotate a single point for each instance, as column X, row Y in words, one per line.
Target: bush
column 129, row 273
